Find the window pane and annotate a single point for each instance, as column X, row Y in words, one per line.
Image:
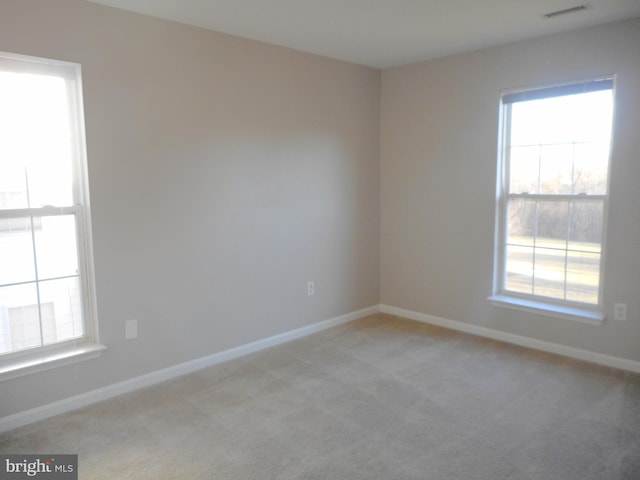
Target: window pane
column 541, row 264
column 13, row 187
column 583, row 277
column 65, row 295
column 527, row 123
column 19, row 322
column 556, row 168
column 524, row 168
column 522, row 221
column 519, row 269
column 585, row 231
column 25, row 327
column 56, row 247
column 16, row 251
column 590, row 169
column 574, row 118
column 552, row 221
column 35, row 141
column 549, row 269
column 591, row 116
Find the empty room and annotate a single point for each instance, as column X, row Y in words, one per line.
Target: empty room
column 320, row 239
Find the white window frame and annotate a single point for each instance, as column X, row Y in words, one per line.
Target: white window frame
column 19, row 363
column 584, row 312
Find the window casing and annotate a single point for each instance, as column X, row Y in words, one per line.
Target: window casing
column 47, row 294
column 552, row 195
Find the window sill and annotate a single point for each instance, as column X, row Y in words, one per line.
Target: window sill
column 570, row 313
column 38, row 362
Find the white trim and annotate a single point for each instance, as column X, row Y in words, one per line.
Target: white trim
column 577, row 353
column 48, row 359
column 78, row 401
column 559, row 311
column 20, row 419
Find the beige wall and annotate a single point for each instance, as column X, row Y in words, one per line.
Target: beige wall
column 224, row 174
column 438, row 169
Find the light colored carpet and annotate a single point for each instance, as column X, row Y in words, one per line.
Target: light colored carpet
column 379, row 398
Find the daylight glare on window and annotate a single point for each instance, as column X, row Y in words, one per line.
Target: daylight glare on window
column 40, row 284
column 35, row 145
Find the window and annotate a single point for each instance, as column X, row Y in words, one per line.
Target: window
column 552, row 198
column 47, row 299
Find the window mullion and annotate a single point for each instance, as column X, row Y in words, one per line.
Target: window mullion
column 46, row 211
column 536, row 223
column 570, row 206
column 558, row 197
column 37, row 278
column 505, row 197
column 35, row 256
column 535, row 246
column 570, row 209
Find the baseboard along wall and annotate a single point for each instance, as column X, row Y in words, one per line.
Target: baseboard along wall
column 78, row 401
column 576, row 353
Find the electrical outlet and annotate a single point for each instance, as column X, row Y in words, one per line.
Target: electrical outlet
column 131, row 329
column 311, row 288
column 620, row 311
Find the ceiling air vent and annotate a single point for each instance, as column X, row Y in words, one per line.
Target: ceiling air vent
column 565, row 11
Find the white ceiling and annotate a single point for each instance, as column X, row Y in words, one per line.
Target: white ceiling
column 384, row 33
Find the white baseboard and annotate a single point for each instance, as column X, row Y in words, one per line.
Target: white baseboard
column 579, row 354
column 78, row 401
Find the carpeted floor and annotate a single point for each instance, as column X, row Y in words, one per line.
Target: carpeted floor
column 379, row 398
